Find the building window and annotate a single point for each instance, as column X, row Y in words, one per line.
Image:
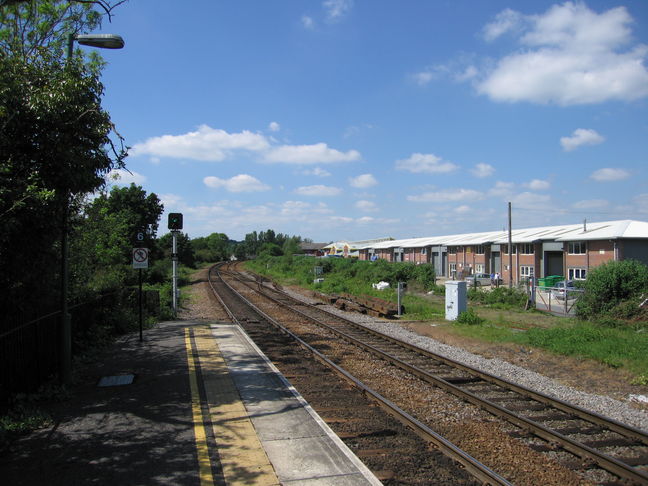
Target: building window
column 505, row 249
column 452, row 250
column 577, row 273
column 423, row 251
column 527, row 249
column 453, row 268
column 479, row 249
column 577, row 248
column 479, row 268
column 526, row 271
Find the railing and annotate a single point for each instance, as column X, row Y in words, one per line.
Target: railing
column 557, row 300
column 29, row 351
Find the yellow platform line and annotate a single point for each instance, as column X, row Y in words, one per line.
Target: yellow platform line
column 242, row 457
column 204, row 464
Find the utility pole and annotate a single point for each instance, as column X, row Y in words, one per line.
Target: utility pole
column 510, row 247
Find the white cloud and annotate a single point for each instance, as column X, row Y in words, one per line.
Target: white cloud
column 505, row 21
column 502, row 188
column 318, row 153
column 363, row 181
column 122, row 177
column 318, row 190
column 482, row 170
column 610, row 174
column 215, row 145
column 239, row 183
column 531, row 200
column 448, row 195
column 425, row 163
column 366, row 206
column 336, row 9
column 274, row 126
column 366, row 220
column 463, row 209
column 591, row 204
column 307, row 22
column 581, row 136
column 431, row 73
column 569, row 55
column 538, row 185
column 206, row 144
column 317, row 171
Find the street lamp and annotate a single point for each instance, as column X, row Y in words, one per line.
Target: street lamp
column 102, row 41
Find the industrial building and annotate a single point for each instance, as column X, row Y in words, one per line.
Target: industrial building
column 567, row 250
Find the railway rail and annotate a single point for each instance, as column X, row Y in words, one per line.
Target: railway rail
column 602, row 442
column 382, row 444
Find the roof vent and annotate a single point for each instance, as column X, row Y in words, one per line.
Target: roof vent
column 584, row 226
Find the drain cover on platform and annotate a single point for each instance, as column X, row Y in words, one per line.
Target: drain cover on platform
column 117, row 380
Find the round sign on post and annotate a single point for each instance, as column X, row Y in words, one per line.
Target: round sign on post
column 140, row 257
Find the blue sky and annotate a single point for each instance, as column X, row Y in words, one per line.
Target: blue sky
column 349, row 120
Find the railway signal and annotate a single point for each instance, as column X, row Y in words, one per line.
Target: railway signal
column 175, row 221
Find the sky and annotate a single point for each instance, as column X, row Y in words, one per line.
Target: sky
column 359, row 119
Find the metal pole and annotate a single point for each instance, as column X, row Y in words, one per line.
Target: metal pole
column 510, row 247
column 398, row 293
column 174, row 257
column 140, row 305
column 66, row 324
column 65, row 346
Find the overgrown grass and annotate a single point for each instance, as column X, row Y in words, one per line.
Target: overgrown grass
column 620, row 347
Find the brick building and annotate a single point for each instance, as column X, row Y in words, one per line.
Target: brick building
column 567, row 250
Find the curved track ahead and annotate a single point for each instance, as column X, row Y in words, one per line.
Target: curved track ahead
column 613, row 446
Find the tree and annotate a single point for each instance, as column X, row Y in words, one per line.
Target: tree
column 105, row 233
column 609, row 285
column 30, row 29
column 184, row 247
column 55, row 147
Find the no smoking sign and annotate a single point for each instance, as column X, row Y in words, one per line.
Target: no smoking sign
column 140, row 257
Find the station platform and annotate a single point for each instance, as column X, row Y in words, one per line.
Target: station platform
column 195, row 403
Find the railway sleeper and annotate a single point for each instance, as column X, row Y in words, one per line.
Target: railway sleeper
column 520, row 405
column 601, row 443
column 461, row 380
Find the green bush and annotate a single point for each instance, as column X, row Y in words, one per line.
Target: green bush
column 470, row 317
column 498, row 297
column 610, row 285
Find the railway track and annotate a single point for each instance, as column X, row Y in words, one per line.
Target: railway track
column 599, row 441
column 394, row 445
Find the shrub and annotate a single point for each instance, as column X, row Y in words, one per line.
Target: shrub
column 609, row 285
column 500, row 296
column 470, row 318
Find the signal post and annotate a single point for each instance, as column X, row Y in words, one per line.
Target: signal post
column 175, row 225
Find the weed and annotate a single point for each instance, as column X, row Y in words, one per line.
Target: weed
column 470, row 318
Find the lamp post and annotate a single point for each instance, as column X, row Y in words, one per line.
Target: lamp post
column 103, row 41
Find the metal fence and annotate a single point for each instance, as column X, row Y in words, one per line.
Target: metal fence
column 557, row 300
column 29, row 351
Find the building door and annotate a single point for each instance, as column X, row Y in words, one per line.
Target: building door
column 495, row 262
column 553, row 263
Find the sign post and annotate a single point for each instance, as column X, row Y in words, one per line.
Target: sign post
column 140, row 261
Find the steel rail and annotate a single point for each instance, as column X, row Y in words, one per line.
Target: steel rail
column 476, row 468
column 605, row 461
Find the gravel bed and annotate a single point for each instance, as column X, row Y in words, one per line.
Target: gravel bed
column 603, row 405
